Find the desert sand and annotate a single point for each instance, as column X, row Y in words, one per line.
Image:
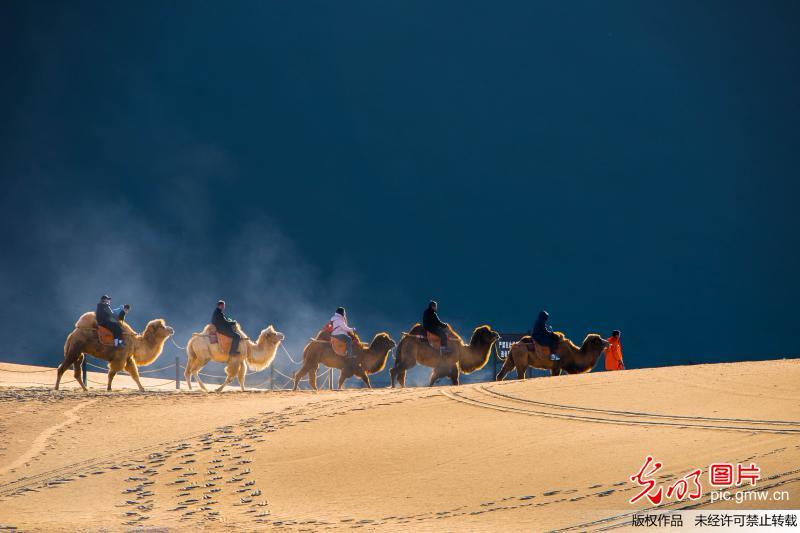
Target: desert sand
column 541, row 454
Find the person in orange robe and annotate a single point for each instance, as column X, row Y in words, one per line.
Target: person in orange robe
column 614, row 352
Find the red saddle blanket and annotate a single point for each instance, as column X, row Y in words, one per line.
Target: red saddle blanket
column 224, row 341
column 339, row 346
column 434, row 340
column 105, row 336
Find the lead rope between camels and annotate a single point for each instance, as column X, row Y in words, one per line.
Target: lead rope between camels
column 171, row 338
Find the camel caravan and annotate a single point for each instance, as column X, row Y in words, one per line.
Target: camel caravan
column 106, row 335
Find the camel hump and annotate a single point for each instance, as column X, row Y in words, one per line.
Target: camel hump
column 323, row 335
column 417, row 329
column 87, row 320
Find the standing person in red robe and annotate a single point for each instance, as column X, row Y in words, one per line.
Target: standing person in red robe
column 614, row 352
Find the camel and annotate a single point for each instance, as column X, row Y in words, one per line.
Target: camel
column 371, row 359
column 574, row 360
column 466, row 358
column 139, row 350
column 257, row 355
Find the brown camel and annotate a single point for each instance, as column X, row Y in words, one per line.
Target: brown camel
column 370, row 359
column 139, row 350
column 258, row 355
column 466, row 358
column 574, row 360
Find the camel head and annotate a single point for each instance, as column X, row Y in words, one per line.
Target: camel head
column 594, row 343
column 382, row 342
column 271, row 335
column 158, row 329
column 155, row 335
column 484, row 336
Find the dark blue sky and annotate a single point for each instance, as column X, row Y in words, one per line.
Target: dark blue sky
column 628, row 165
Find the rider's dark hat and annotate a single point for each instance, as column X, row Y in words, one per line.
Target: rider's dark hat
column 105, row 297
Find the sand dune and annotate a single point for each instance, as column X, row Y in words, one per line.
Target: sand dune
column 541, row 454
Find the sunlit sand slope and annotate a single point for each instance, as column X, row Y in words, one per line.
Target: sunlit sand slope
column 543, row 454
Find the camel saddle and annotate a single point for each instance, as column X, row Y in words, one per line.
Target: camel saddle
column 105, row 336
column 223, row 341
column 423, row 335
column 535, row 347
column 434, row 340
column 339, row 346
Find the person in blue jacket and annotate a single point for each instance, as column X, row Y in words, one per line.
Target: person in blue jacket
column 543, row 334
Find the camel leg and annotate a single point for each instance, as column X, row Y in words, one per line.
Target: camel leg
column 454, row 376
column 434, row 377
column 111, row 374
column 312, row 378
column 225, row 383
column 133, row 370
column 521, row 371
column 114, row 366
column 342, row 378
column 508, row 364
column 241, row 375
column 401, row 378
column 230, row 373
column 78, row 371
column 198, row 380
column 69, row 360
column 556, row 371
column 365, row 378
column 398, row 373
column 187, row 373
column 299, row 374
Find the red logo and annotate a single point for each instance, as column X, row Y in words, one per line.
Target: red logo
column 689, row 486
